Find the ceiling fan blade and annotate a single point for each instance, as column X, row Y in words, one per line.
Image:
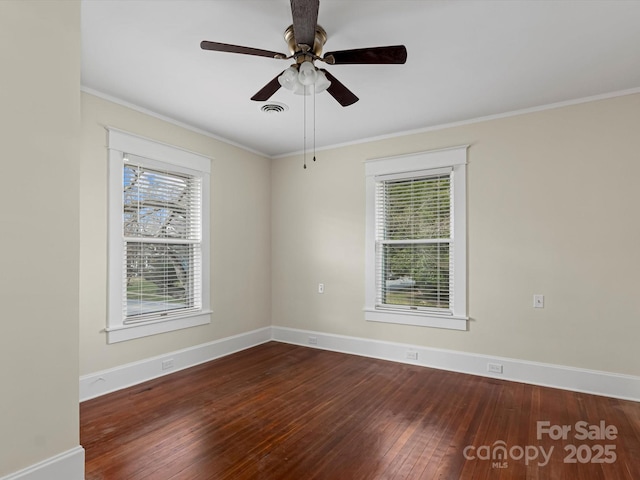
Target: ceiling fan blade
column 305, row 19
column 268, row 90
column 396, row 54
column 225, row 47
column 337, row 90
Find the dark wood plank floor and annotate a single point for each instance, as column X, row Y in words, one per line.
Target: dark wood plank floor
column 280, row 411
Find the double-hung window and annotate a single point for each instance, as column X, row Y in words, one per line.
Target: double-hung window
column 158, row 238
column 416, row 239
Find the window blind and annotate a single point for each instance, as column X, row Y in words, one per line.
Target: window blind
column 162, row 235
column 413, row 239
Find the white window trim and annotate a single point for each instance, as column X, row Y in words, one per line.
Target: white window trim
column 456, row 159
column 119, row 144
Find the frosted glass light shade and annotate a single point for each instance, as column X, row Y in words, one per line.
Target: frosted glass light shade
column 289, row 78
column 307, row 74
column 322, row 83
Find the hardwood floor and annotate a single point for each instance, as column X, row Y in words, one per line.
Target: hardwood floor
column 280, row 411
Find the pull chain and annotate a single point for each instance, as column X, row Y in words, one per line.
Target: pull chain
column 304, row 126
column 314, row 124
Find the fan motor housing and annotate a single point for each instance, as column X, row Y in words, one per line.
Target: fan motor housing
column 316, row 48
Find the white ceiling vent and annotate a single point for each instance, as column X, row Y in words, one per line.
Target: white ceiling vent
column 272, row 108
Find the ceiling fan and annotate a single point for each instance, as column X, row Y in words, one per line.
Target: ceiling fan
column 305, row 39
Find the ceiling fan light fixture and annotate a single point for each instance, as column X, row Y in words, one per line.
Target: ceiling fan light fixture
column 322, row 83
column 304, row 79
column 307, row 74
column 289, row 78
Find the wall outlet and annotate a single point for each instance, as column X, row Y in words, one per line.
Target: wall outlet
column 412, row 355
column 538, row 301
column 321, row 288
column 167, row 364
column 494, row 367
column 313, row 340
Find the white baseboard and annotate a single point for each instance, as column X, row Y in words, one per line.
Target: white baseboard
column 68, row 465
column 107, row 381
column 625, row 387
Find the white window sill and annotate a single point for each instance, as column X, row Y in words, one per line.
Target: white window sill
column 421, row 319
column 123, row 333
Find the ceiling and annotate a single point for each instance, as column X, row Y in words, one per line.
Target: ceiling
column 466, row 60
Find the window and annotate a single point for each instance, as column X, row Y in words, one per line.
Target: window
column 158, row 238
column 416, row 239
